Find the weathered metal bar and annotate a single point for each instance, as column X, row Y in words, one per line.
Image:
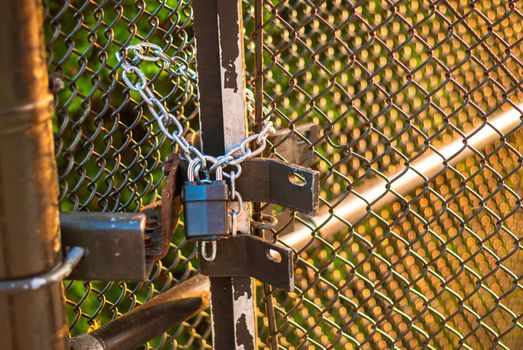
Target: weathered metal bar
column 150, row 319
column 29, row 229
column 287, row 184
column 219, row 41
column 209, row 75
column 357, row 204
column 114, row 240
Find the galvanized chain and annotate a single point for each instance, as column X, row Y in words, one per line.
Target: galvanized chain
column 151, row 52
column 198, row 162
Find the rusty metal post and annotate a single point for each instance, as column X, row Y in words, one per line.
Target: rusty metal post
column 221, row 82
column 29, row 225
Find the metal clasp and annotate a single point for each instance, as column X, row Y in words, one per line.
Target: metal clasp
column 56, row 274
column 203, row 250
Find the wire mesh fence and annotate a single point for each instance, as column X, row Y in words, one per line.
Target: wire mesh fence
column 437, row 265
column 108, row 150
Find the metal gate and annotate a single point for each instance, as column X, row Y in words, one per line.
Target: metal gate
column 410, row 110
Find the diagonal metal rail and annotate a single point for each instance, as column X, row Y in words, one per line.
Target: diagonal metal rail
column 407, row 179
column 150, row 319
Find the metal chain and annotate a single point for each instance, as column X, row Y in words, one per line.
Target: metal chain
column 130, row 61
column 151, row 52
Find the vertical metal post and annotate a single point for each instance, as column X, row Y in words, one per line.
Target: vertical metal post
column 29, row 230
column 221, row 81
column 258, row 117
column 258, row 63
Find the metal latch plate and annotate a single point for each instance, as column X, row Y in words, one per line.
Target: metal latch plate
column 274, row 181
column 251, row 256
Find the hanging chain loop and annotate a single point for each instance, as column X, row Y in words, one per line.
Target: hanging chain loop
column 199, row 163
column 130, row 60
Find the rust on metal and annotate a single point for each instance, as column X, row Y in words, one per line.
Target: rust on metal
column 162, row 216
column 171, row 202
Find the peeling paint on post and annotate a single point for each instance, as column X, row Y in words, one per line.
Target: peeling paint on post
column 230, row 54
column 232, row 73
column 221, row 83
column 244, row 328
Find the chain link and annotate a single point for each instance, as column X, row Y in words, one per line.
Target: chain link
column 130, row 60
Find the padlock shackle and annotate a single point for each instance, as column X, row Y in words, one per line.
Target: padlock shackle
column 195, row 166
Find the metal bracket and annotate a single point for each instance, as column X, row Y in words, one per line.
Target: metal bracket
column 129, row 243
column 114, row 240
column 162, row 216
column 296, row 146
column 286, row 183
column 274, row 181
column 251, row 256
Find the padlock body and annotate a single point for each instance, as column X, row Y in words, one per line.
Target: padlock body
column 205, row 210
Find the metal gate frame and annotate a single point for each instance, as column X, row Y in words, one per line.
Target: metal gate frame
column 29, row 231
column 232, row 299
column 223, row 123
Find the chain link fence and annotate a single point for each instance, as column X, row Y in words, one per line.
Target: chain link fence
column 109, row 150
column 437, row 266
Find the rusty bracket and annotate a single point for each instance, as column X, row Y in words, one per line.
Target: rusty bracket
column 251, row 256
column 273, row 181
column 162, row 216
column 114, row 245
